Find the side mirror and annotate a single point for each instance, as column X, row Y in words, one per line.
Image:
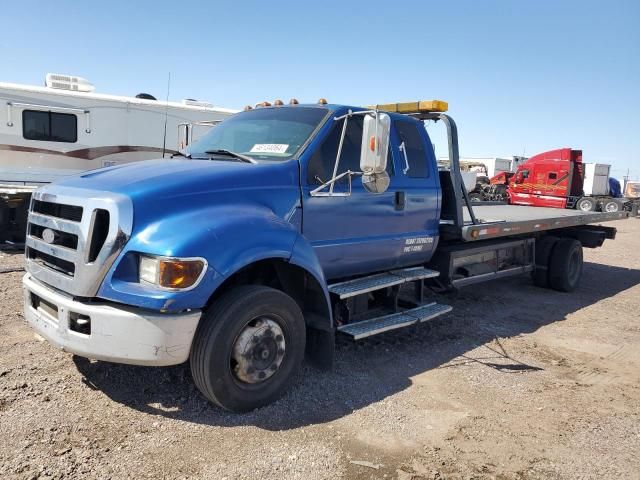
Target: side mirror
column 373, row 154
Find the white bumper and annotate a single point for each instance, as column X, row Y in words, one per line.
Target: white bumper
column 122, row 335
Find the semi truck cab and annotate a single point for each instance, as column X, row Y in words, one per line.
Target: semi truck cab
column 280, row 228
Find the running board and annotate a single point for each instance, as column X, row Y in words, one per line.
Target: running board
column 351, row 288
column 374, row 326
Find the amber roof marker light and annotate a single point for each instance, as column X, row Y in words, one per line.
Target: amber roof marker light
column 421, row 106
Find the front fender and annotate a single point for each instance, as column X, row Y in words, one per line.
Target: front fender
column 229, row 238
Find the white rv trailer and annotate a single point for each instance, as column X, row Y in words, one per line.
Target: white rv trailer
column 65, row 128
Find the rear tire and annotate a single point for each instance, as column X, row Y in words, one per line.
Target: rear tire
column 544, row 247
column 586, row 204
column 248, row 347
column 565, row 265
column 610, row 206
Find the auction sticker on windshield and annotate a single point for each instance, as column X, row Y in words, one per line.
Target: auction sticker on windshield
column 269, row 148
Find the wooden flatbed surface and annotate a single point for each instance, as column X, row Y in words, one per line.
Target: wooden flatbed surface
column 505, row 220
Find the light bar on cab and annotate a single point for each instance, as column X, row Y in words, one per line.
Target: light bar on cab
column 422, row 106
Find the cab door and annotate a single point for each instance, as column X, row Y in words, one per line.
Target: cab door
column 358, row 232
column 418, row 182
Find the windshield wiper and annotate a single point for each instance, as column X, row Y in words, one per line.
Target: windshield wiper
column 238, row 156
column 180, row 154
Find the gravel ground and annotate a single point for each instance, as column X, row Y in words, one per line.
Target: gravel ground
column 517, row 383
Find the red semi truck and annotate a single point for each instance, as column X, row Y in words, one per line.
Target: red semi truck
column 559, row 179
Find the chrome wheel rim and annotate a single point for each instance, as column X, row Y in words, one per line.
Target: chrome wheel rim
column 585, row 206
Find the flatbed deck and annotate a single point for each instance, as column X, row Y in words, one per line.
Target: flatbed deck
column 496, row 221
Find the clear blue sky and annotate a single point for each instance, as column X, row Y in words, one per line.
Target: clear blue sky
column 519, row 76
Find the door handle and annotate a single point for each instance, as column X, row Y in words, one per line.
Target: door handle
column 399, row 200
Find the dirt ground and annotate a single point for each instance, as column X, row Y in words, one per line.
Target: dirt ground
column 517, row 383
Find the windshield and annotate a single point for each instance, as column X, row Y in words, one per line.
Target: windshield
column 262, row 134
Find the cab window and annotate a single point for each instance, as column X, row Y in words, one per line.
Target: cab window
column 410, row 135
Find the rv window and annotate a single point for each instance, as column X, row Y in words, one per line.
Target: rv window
column 416, row 154
column 49, row 126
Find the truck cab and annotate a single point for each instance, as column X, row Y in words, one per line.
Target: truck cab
column 278, row 198
column 550, row 179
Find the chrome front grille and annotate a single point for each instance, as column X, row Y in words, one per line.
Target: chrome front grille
column 74, row 235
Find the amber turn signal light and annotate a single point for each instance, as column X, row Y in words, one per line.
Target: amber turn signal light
column 170, row 272
column 179, row 273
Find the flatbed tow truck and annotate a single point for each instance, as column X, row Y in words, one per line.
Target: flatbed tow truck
column 285, row 226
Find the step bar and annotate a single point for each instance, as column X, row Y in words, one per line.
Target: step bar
column 374, row 326
column 351, row 288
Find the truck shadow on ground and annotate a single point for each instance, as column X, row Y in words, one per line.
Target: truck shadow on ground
column 369, row 371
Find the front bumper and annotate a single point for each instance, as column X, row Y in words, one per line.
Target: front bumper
column 115, row 334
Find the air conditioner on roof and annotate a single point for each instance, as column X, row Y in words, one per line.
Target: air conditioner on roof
column 196, row 103
column 68, row 82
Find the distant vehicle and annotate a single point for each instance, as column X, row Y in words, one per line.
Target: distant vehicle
column 632, row 189
column 560, row 179
column 478, row 172
column 493, row 165
column 63, row 128
column 289, row 225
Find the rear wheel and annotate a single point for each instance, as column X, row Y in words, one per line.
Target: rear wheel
column 565, row 265
column 586, row 204
column 610, row 206
column 544, row 247
column 248, row 348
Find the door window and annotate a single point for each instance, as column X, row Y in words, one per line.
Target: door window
column 49, row 126
column 410, row 135
column 322, row 162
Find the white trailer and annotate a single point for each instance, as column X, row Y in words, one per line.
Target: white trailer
column 494, row 165
column 596, row 179
column 65, row 128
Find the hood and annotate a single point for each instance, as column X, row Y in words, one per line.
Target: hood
column 177, row 177
column 159, row 187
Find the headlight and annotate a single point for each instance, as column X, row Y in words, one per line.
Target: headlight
column 174, row 273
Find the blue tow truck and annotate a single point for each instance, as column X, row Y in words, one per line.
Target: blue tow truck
column 283, row 227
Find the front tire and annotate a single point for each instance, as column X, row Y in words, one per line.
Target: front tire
column 586, row 204
column 248, row 347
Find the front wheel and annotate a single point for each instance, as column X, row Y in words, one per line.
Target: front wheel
column 586, row 204
column 248, row 348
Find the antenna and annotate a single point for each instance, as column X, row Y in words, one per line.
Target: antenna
column 166, row 114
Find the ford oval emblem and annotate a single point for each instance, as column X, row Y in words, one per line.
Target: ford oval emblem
column 48, row 235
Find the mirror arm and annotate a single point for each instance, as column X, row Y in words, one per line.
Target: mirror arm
column 317, row 192
column 335, row 166
column 351, row 114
